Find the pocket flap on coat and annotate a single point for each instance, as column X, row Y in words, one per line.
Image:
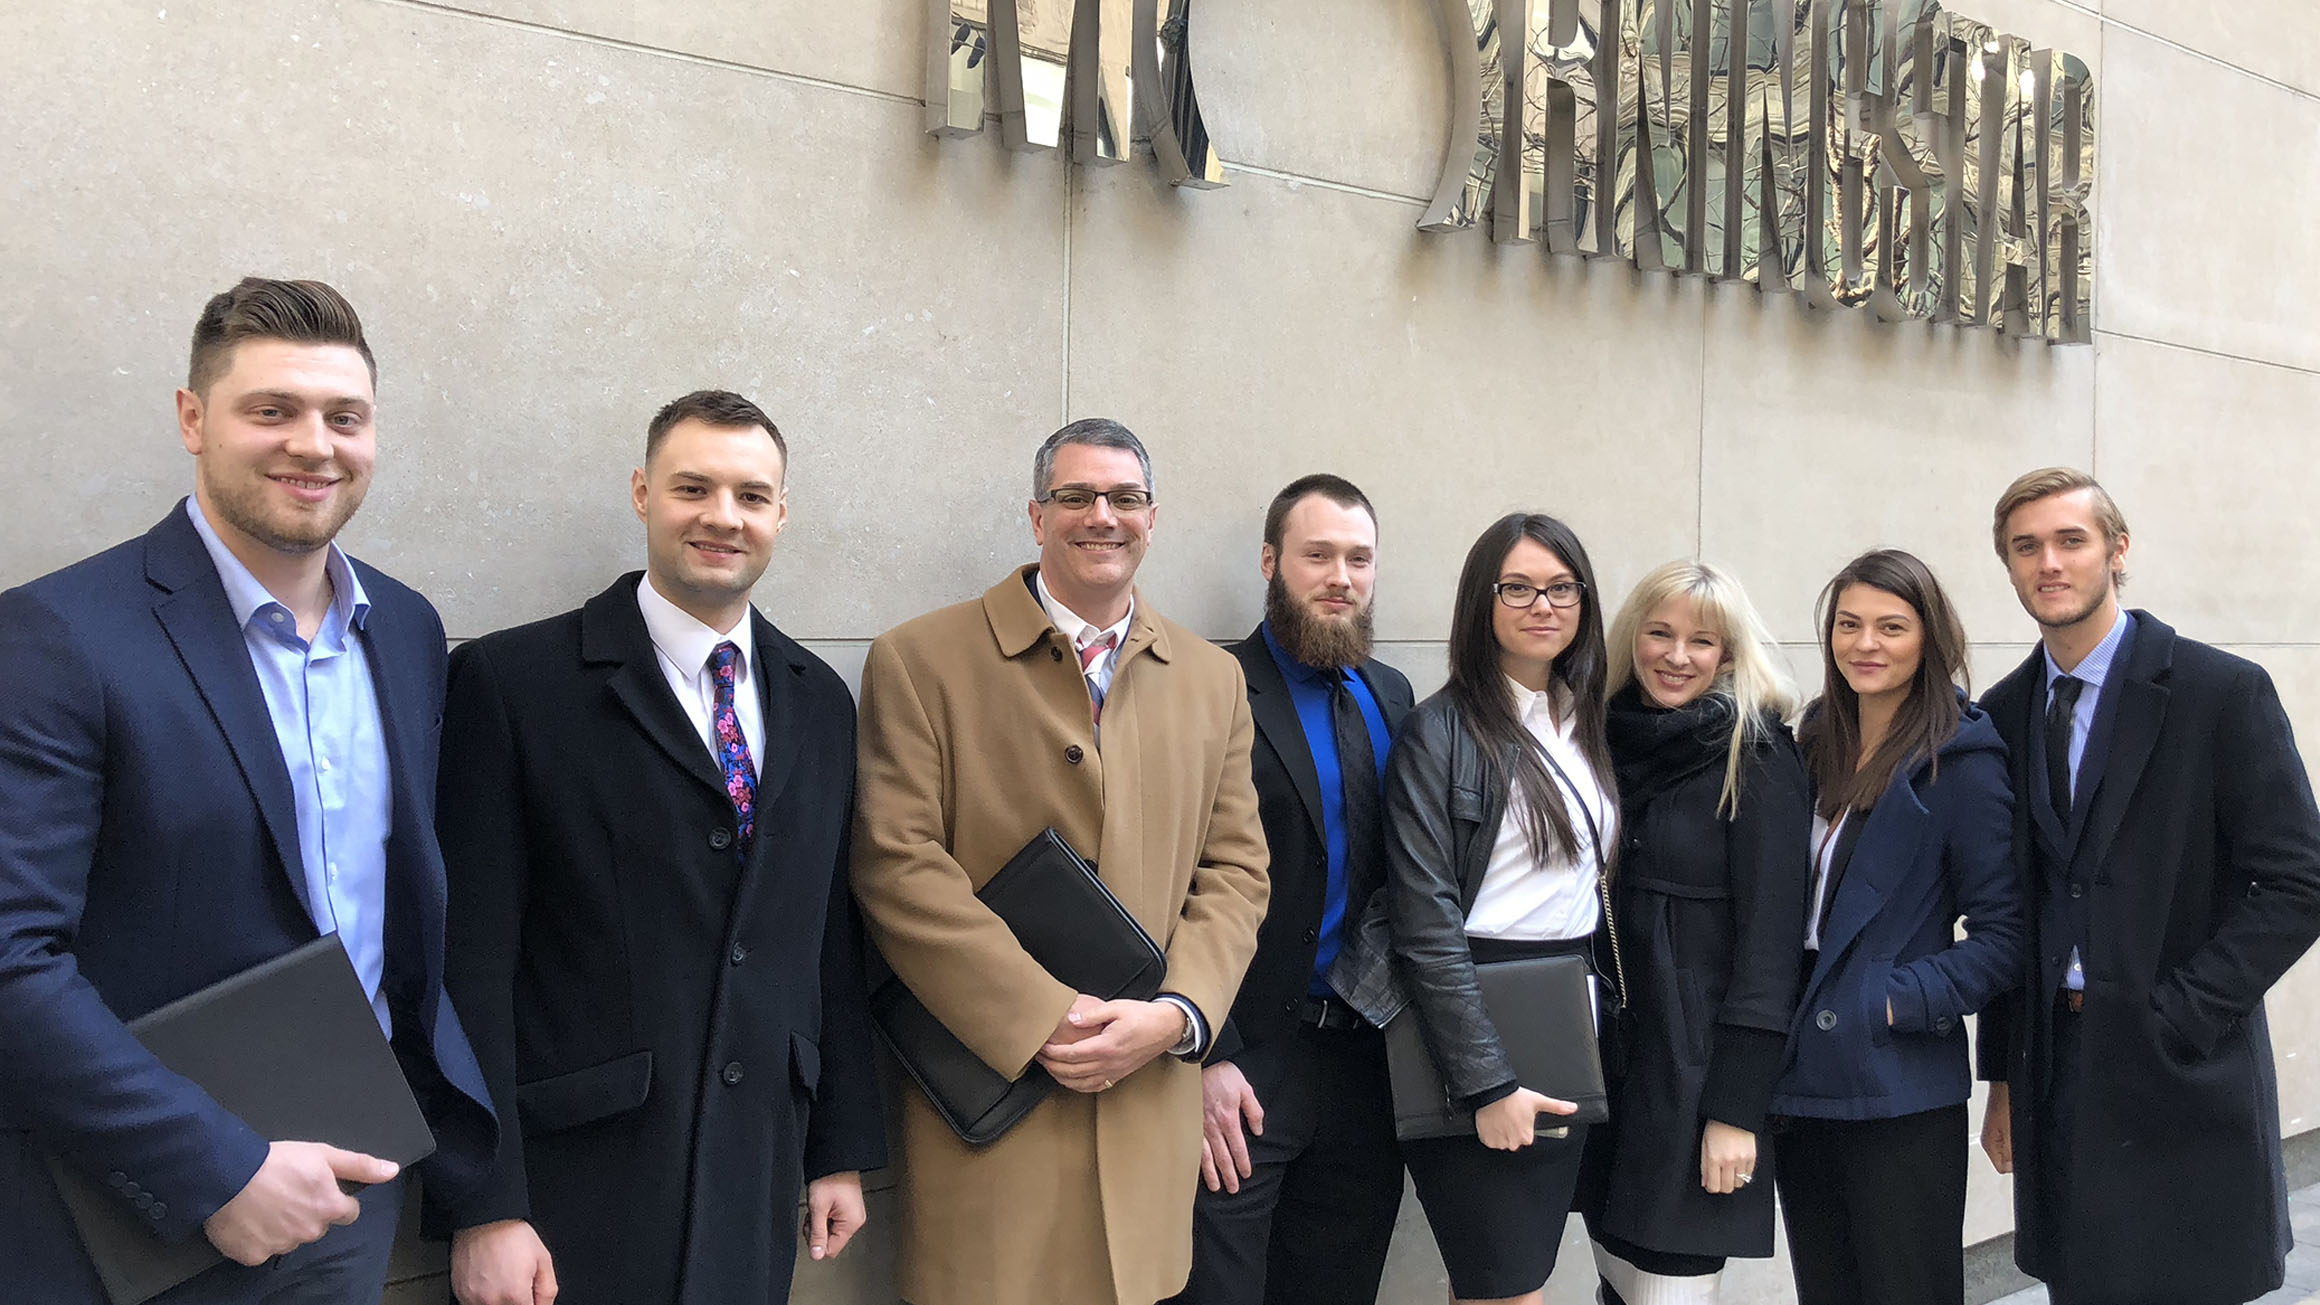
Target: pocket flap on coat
column 584, row 1096
column 806, row 1061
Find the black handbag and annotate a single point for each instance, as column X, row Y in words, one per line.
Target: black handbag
column 1067, row 921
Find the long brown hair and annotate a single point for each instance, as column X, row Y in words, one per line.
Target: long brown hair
column 1831, row 732
column 1478, row 685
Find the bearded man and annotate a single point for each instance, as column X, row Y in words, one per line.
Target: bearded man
column 1301, row 1174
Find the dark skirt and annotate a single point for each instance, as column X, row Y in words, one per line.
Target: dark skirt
column 1498, row 1216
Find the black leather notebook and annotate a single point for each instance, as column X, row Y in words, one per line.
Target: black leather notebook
column 293, row 1047
column 1068, row 922
column 1544, row 1010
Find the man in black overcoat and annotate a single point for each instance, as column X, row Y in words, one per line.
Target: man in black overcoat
column 1301, row 1176
column 2172, row 850
column 644, row 813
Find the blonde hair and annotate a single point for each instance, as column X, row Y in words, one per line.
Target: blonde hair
column 2031, row 486
column 1750, row 676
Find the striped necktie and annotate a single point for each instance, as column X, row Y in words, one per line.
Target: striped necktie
column 1091, row 660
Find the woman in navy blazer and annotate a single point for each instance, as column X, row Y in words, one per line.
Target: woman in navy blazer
column 1913, row 827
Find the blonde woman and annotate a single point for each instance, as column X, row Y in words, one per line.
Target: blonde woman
column 1710, row 899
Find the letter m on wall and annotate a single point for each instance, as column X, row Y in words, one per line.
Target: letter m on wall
column 1106, row 76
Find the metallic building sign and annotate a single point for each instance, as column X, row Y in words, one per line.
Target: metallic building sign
column 1109, row 75
column 1878, row 153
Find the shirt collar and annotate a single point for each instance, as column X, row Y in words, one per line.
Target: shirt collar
column 349, row 604
column 1071, row 626
column 1293, row 669
column 684, row 639
column 2096, row 666
column 1528, row 704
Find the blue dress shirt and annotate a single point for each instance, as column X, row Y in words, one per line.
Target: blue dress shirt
column 325, row 709
column 1309, row 689
column 2091, row 671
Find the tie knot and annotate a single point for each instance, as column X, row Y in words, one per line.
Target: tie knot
column 2066, row 690
column 1092, row 650
column 723, row 659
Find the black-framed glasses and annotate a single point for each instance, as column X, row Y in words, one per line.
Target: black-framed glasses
column 1562, row 593
column 1077, row 498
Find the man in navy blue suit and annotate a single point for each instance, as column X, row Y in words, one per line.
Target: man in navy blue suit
column 218, row 742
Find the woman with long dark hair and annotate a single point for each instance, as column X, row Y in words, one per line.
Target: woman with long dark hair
column 1913, row 827
column 1500, row 811
column 1710, row 903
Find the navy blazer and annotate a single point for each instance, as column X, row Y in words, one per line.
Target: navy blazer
column 1938, row 845
column 148, row 848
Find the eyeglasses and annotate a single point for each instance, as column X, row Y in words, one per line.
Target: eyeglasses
column 1074, row 498
column 1562, row 593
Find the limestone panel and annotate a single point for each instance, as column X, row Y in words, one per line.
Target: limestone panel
column 1257, row 334
column 1830, row 433
column 1354, row 91
column 548, row 239
column 2207, row 456
column 874, row 44
column 2274, row 38
column 2205, row 188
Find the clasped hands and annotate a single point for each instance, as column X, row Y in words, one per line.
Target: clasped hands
column 1099, row 1043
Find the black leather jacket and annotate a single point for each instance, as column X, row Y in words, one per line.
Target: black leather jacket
column 1442, row 814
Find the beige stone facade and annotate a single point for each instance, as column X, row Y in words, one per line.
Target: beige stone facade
column 556, row 214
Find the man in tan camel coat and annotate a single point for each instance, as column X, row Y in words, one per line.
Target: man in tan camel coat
column 1059, row 698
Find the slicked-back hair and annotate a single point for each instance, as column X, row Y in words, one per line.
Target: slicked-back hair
column 721, row 408
column 2046, row 482
column 1831, row 732
column 1478, row 683
column 1337, row 489
column 258, row 308
column 1096, row 432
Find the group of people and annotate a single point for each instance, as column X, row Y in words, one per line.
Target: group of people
column 615, row 882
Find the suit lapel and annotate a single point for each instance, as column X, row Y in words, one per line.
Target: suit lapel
column 2142, row 710
column 194, row 613
column 1275, row 713
column 612, row 633
column 405, row 835
column 781, row 693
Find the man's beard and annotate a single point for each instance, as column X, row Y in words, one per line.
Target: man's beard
column 2089, row 608
column 1316, row 640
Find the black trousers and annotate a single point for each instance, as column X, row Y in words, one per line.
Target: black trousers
column 1311, row 1226
column 1876, row 1208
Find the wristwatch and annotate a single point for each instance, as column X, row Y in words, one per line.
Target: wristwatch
column 1190, row 1042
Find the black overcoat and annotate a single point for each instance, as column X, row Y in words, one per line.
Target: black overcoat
column 2197, row 852
column 677, row 1036
column 1711, row 923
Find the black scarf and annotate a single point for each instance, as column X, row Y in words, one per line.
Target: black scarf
column 1654, row 748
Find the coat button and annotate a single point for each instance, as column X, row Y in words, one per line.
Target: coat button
column 1312, row 935
column 720, row 838
column 144, row 1201
column 732, row 1073
column 1942, row 1025
column 1074, row 754
column 117, row 1178
column 1289, row 1007
column 2078, row 890
column 130, row 1189
column 1054, row 653
column 1827, row 1020
column 739, row 953
column 159, row 1211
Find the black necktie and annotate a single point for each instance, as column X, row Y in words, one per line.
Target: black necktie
column 2061, row 712
column 1357, row 766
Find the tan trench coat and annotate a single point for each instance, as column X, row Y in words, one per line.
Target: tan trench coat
column 976, row 734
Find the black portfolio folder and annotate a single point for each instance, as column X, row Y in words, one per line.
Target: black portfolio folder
column 1544, row 1010
column 1068, row 922
column 292, row 1047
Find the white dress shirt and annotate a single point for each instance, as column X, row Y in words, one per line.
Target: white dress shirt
column 1523, row 897
column 682, row 644
column 1081, row 633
